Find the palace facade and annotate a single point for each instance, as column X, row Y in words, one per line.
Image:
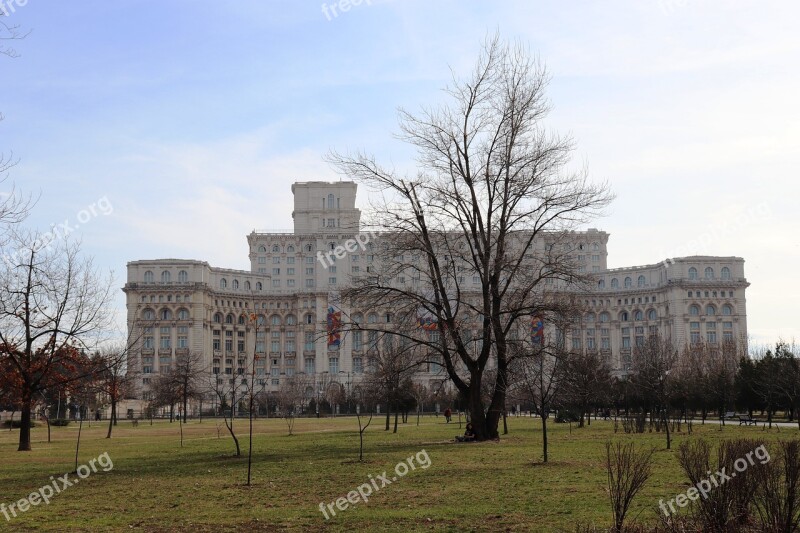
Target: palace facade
column 178, row 306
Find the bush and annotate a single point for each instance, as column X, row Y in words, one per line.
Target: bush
column 16, row 424
column 60, row 422
column 567, row 415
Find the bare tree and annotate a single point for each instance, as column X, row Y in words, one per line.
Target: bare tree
column 653, row 361
column 492, row 184
column 113, row 381
column 538, row 378
column 291, row 397
column 52, row 303
column 587, row 381
column 225, row 391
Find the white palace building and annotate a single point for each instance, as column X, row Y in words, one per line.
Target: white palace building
column 178, row 306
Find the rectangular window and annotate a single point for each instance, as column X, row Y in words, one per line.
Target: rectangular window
column 626, row 342
column 289, row 272
column 276, row 260
column 290, row 283
column 309, row 260
column 275, row 346
column 228, row 345
column 309, row 345
column 331, row 281
column 605, row 343
column 262, row 260
column 183, row 342
column 276, row 271
column 694, row 325
column 290, row 260
column 358, row 365
column 309, row 365
column 727, row 325
column 148, row 343
column 165, row 343
column 711, row 337
column 333, row 365
column 357, row 340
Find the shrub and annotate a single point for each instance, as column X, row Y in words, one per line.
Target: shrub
column 567, row 415
column 60, row 422
column 16, row 424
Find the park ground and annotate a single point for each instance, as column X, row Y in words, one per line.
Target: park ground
column 157, row 485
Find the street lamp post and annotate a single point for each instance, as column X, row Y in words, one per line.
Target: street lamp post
column 348, row 389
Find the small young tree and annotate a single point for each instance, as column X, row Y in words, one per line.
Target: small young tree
column 225, row 390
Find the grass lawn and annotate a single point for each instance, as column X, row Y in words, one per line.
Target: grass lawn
column 155, row 485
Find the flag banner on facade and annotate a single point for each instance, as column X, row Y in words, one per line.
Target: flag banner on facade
column 428, row 323
column 334, row 327
column 537, row 330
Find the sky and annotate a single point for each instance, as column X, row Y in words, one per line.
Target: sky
column 173, row 128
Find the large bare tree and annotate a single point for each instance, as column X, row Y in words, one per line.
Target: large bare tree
column 467, row 232
column 53, row 304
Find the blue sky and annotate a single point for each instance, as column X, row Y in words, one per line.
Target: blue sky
column 193, row 118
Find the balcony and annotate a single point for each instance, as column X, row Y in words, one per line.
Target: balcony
column 148, row 351
column 181, row 351
column 165, row 351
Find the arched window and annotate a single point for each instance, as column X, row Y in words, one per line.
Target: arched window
column 261, row 320
column 165, row 314
column 183, row 276
column 623, row 316
column 358, row 318
column 709, row 273
column 725, row 273
column 727, row 310
column 229, row 319
column 309, row 318
column 711, row 310
column 218, row 318
column 595, row 246
column 183, row 314
column 276, row 249
column 330, row 201
column 693, row 273
column 290, row 249
column 638, row 315
column 614, row 283
column 604, row 317
column 241, row 320
column 290, row 320
column 372, row 318
column 223, row 283
column 652, row 314
column 332, row 245
column 309, row 247
column 590, row 317
column 694, row 310
column 628, row 283
column 259, row 286
column 165, row 276
column 247, row 285
column 262, row 248
column 148, row 277
column 275, row 320
column 235, row 284
column 640, row 282
column 148, row 314
column 601, row 284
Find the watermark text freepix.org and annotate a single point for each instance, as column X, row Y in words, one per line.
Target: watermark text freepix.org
column 56, row 486
column 715, row 480
column 351, row 245
column 332, row 11
column 365, row 490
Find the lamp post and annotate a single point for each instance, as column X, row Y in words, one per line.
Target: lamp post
column 348, row 389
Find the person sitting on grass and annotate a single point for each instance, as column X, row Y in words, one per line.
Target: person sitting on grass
column 469, row 434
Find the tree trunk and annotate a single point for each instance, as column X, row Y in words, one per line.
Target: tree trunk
column 505, row 424
column 24, row 425
column 395, row 421
column 113, row 418
column 544, row 438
